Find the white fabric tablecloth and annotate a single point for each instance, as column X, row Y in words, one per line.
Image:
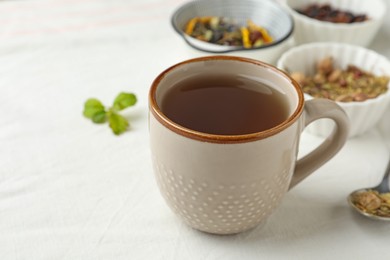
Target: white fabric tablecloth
column 70, row 189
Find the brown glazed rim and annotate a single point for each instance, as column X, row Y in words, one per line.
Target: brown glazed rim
column 213, row 138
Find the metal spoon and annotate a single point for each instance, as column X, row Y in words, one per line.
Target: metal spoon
column 383, row 187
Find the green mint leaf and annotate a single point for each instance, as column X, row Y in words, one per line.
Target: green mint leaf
column 117, row 123
column 99, row 117
column 91, row 107
column 124, row 100
column 96, row 111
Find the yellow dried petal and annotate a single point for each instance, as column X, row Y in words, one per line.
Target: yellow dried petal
column 245, row 37
column 191, row 25
column 266, row 37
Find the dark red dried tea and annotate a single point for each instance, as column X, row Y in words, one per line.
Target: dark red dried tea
column 327, row 13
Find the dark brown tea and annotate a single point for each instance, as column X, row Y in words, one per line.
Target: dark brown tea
column 224, row 105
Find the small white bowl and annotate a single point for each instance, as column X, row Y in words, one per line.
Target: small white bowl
column 266, row 13
column 363, row 115
column 360, row 33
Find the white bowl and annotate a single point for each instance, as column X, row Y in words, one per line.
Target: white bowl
column 266, row 13
column 363, row 115
column 361, row 33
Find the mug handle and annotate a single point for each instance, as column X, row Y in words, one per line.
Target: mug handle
column 316, row 109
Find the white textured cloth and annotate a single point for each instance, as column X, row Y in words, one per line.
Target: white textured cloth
column 70, row 189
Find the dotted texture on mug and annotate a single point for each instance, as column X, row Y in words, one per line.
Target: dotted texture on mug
column 219, row 208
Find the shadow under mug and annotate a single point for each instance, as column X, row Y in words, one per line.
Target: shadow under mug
column 226, row 184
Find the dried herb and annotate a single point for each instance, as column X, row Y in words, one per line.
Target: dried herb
column 351, row 84
column 325, row 12
column 224, row 31
column 373, row 202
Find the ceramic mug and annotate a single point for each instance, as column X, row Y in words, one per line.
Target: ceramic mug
column 225, row 184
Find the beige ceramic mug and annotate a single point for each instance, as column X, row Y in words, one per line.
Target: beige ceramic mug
column 225, row 184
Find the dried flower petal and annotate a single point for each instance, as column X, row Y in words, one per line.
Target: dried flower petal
column 351, row 84
column 372, row 202
column 369, row 201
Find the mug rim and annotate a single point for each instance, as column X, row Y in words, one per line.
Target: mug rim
column 215, row 138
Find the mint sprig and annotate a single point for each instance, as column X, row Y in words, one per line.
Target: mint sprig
column 95, row 110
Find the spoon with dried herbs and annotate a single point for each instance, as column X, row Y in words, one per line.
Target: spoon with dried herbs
column 373, row 202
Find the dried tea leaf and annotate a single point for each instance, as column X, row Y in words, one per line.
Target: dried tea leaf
column 373, row 202
column 344, row 85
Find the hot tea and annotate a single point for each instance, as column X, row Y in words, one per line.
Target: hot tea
column 225, row 105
